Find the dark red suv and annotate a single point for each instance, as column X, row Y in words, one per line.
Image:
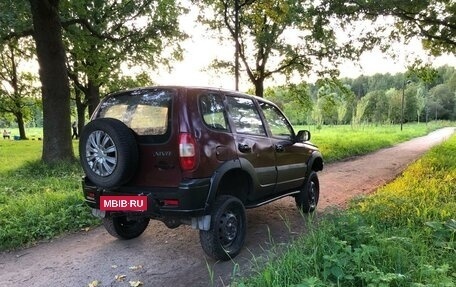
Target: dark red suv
column 196, row 156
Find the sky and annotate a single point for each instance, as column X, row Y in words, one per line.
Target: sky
column 201, row 49
column 193, row 69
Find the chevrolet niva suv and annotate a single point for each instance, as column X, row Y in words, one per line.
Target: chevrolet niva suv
column 196, row 156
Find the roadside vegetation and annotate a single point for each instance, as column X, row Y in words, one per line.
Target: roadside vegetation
column 403, row 235
column 39, row 201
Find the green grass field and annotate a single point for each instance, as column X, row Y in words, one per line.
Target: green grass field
column 403, row 235
column 40, row 202
column 340, row 142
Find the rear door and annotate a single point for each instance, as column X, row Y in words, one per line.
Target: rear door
column 253, row 145
column 149, row 113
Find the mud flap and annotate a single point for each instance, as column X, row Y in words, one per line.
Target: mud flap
column 98, row 213
column 201, row 222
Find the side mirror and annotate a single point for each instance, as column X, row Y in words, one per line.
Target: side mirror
column 303, row 136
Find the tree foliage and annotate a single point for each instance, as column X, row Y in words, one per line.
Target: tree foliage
column 372, row 99
column 277, row 37
column 433, row 21
column 99, row 35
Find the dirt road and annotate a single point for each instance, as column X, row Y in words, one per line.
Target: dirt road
column 164, row 257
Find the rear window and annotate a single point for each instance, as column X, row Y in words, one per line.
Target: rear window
column 147, row 112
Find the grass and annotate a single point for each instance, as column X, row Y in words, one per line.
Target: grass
column 340, row 142
column 37, row 201
column 40, row 202
column 403, row 235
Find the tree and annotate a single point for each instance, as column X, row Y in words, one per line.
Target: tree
column 377, row 108
column 276, row 37
column 426, row 75
column 103, row 35
column 361, row 106
column 433, row 21
column 294, row 100
column 40, row 19
column 360, row 86
column 444, row 101
column 45, row 25
column 17, row 88
column 55, row 89
column 420, row 102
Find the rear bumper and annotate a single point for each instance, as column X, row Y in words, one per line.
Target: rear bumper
column 191, row 196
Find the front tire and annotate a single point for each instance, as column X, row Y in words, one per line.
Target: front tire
column 307, row 199
column 226, row 236
column 122, row 228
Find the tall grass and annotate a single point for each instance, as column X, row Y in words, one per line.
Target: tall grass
column 403, row 235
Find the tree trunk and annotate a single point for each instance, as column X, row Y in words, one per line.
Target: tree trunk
column 20, row 125
column 259, row 87
column 57, row 144
column 93, row 96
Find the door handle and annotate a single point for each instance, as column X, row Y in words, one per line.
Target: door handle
column 279, row 148
column 244, row 148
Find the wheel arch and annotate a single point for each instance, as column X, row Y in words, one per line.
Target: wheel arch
column 315, row 162
column 232, row 178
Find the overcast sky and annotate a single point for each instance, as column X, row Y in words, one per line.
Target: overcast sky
column 200, row 52
column 201, row 49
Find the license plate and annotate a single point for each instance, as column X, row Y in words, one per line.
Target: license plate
column 123, row 203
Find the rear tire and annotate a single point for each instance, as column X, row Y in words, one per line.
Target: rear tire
column 307, row 199
column 226, row 236
column 122, row 228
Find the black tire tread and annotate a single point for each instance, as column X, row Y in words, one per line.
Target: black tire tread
column 113, row 227
column 208, row 239
column 301, row 199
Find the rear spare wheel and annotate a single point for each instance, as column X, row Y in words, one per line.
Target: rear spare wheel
column 108, row 152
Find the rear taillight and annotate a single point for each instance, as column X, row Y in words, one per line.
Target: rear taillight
column 187, row 151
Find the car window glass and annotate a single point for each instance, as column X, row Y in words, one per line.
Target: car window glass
column 279, row 125
column 146, row 112
column 245, row 116
column 213, row 111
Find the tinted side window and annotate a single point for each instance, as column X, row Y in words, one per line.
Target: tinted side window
column 213, row 111
column 245, row 116
column 279, row 125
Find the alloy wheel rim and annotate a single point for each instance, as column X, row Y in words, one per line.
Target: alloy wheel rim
column 101, row 153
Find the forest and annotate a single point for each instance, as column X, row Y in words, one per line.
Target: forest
column 376, row 99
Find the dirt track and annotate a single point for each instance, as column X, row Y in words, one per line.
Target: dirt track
column 164, row 257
